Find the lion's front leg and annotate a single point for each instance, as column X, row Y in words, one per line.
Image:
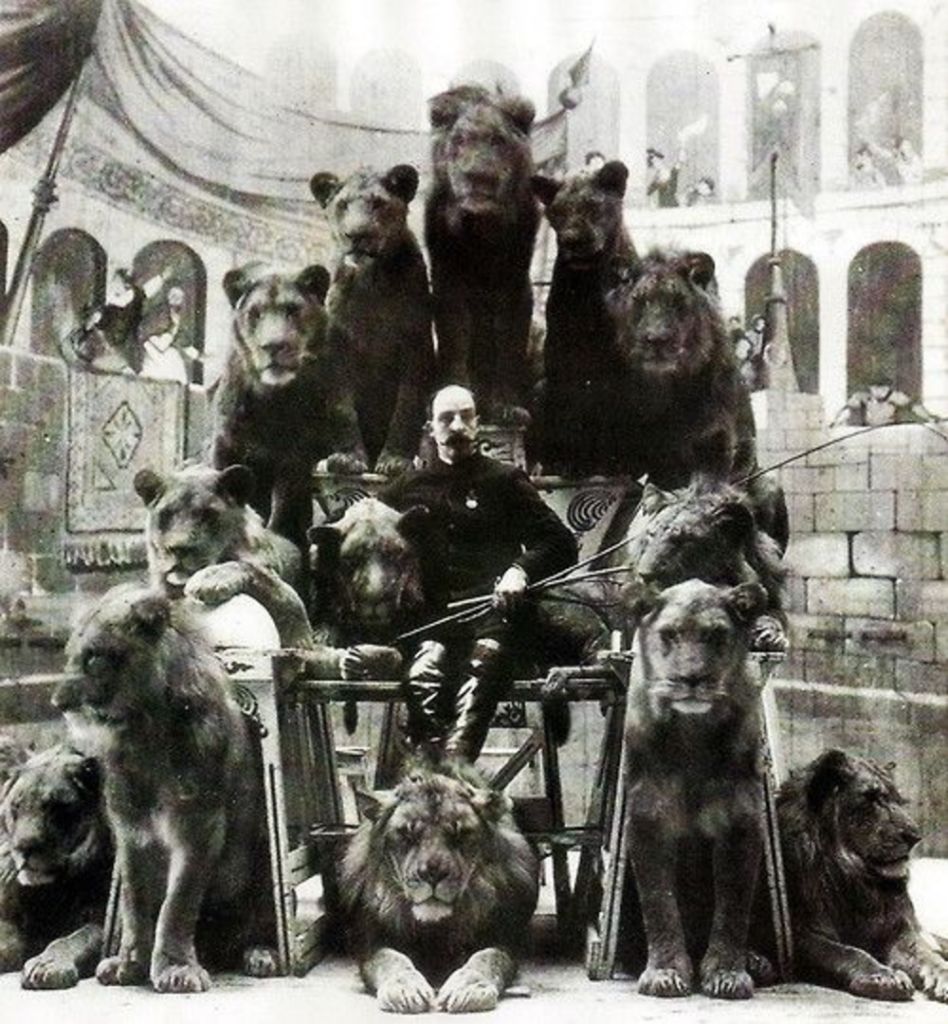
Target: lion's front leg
column 399, row 986
column 850, row 968
column 653, row 848
column 65, row 960
column 140, row 882
column 12, row 947
column 926, row 967
column 737, row 855
column 174, row 963
column 479, row 984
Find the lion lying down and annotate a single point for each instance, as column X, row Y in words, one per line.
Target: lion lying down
column 846, row 838
column 441, row 886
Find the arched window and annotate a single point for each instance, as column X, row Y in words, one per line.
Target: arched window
column 490, row 74
column 172, row 329
column 802, row 288
column 885, row 319
column 301, row 72
column 593, row 107
column 784, row 110
column 885, row 102
column 69, row 281
column 682, row 103
column 386, row 90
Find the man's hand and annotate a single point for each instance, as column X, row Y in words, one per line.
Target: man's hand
column 509, row 589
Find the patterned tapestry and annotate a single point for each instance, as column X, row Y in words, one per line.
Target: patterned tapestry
column 118, row 425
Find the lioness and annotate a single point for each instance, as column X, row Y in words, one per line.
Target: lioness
column 146, row 694
column 846, row 837
column 693, row 775
column 441, row 886
column 55, row 869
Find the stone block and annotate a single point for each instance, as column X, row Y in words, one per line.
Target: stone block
column 920, row 677
column 854, row 510
column 800, row 508
column 935, row 510
column 915, row 640
column 922, row 599
column 851, row 476
column 819, row 554
column 840, row 669
column 908, row 511
column 872, row 598
column 817, row 632
column 899, row 555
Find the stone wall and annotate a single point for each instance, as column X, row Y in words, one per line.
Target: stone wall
column 868, row 668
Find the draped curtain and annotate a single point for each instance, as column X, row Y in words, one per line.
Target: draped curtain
column 42, row 46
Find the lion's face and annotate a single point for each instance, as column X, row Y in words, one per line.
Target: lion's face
column 482, row 149
column 440, row 845
column 667, row 314
column 858, row 803
column 699, row 531
column 585, row 211
column 693, row 639
column 279, row 320
column 196, row 517
column 51, row 816
column 367, row 211
column 370, row 563
column 113, row 674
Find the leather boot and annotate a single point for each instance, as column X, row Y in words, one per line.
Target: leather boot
column 476, row 702
column 424, row 695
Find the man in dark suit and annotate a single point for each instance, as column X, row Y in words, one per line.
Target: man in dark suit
column 491, row 533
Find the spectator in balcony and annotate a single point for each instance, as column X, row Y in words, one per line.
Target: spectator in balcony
column 701, row 192
column 865, row 172
column 662, row 188
column 908, row 163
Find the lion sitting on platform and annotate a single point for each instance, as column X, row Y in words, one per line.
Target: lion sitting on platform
column 55, row 869
column 441, row 886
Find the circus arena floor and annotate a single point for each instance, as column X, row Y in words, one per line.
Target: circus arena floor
column 551, row 991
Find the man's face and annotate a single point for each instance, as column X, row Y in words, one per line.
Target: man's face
column 454, row 423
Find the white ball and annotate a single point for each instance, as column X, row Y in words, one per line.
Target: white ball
column 241, row 622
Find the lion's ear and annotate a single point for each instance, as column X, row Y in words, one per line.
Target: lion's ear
column 639, row 597
column 324, row 544
column 314, row 280
column 87, row 775
column 445, row 108
column 699, row 267
column 519, row 110
column 736, row 520
column 152, row 613
column 612, row 177
column 654, row 499
column 415, row 523
column 239, row 281
column 237, row 483
column 747, row 600
column 148, row 486
column 371, row 805
column 402, row 181
column 324, row 185
column 544, row 188
column 827, row 773
column 492, row 804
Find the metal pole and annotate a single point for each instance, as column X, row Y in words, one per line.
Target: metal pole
column 44, row 196
column 778, row 358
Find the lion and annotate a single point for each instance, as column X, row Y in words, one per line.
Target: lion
column 694, row 781
column 846, row 837
column 144, row 692
column 205, row 542
column 440, row 886
column 380, row 299
column 687, row 409
column 481, row 220
column 709, row 530
column 55, row 869
column 284, row 400
column 583, row 416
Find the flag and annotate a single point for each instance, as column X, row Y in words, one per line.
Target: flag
column 578, row 74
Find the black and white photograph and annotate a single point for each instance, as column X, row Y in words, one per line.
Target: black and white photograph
column 474, row 510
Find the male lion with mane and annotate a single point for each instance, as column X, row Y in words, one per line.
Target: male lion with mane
column 695, row 790
column 441, row 886
column 846, row 838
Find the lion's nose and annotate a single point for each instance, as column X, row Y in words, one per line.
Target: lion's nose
column 911, row 836
column 433, row 871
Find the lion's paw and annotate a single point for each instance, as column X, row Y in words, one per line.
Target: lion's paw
column 181, row 978
column 760, row 969
column 664, row 982
column 261, row 962
column 467, row 991
column 768, row 636
column 883, row 984
column 215, row 584
column 119, row 970
column 406, row 992
column 45, row 971
column 935, row 982
column 346, row 463
column 391, row 465
column 720, row 983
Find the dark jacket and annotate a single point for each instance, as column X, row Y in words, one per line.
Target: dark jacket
column 486, row 516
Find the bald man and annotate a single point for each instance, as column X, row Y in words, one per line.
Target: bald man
column 492, row 533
